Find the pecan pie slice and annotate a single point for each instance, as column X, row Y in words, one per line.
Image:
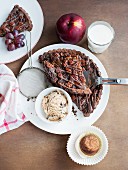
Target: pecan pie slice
column 64, row 68
column 18, row 19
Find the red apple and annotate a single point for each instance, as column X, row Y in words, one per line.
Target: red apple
column 70, row 28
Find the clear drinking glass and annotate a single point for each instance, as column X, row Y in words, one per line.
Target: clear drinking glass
column 99, row 47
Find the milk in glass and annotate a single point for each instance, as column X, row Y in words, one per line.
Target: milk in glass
column 100, row 35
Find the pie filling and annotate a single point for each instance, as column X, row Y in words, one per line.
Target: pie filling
column 64, row 68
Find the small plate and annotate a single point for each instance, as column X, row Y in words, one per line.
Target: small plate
column 36, row 14
column 38, row 103
column 72, row 146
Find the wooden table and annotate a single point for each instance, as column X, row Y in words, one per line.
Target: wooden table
column 29, row 148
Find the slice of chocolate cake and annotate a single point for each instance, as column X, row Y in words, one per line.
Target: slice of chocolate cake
column 18, row 19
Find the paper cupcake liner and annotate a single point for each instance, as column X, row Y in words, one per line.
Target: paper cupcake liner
column 89, row 160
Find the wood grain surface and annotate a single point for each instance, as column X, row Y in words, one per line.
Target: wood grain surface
column 29, row 148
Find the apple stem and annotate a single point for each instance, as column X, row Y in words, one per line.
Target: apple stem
column 68, row 24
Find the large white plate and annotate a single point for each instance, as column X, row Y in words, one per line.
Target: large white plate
column 66, row 127
column 35, row 12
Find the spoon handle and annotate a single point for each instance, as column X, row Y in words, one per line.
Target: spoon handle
column 114, row 81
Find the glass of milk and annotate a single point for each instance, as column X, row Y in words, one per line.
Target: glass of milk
column 100, row 35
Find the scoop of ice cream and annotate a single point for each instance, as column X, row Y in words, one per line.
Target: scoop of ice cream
column 55, row 105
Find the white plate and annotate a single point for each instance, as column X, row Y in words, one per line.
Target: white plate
column 66, row 127
column 35, row 12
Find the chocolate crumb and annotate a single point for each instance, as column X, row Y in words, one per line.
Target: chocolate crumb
column 74, row 111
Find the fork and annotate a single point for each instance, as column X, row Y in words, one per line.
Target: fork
column 95, row 80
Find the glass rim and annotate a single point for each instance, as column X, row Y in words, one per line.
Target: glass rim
column 103, row 23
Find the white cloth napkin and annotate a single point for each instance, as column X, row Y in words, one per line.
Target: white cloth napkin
column 11, row 115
